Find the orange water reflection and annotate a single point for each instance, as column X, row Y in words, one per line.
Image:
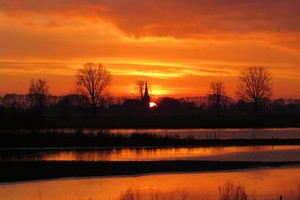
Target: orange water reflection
column 248, row 153
column 197, row 133
column 264, row 184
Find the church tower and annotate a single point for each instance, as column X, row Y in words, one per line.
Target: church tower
column 146, row 97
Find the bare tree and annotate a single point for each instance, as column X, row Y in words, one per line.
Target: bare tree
column 140, row 88
column 217, row 95
column 37, row 93
column 255, row 86
column 92, row 81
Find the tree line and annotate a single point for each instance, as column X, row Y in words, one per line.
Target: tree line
column 254, row 93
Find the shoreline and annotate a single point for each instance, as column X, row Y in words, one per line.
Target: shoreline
column 43, row 170
column 295, row 166
column 145, row 141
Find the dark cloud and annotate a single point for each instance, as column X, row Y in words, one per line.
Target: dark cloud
column 175, row 18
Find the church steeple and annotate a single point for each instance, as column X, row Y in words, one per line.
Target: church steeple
column 146, row 90
column 146, row 97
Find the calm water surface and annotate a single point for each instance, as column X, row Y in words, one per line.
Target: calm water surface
column 219, row 133
column 247, row 153
column 202, row 133
column 263, row 184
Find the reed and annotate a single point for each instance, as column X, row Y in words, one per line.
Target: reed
column 231, row 191
column 135, row 194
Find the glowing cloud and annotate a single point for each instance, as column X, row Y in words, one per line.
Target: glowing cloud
column 180, row 46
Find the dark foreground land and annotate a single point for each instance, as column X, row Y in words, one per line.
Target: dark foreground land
column 53, row 139
column 25, row 171
column 151, row 121
column 173, row 121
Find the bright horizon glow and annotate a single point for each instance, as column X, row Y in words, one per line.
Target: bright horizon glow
column 152, row 105
column 179, row 51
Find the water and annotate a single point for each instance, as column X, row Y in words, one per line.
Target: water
column 242, row 153
column 270, row 133
column 260, row 184
column 202, row 133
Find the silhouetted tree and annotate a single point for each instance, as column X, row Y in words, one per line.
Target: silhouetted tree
column 278, row 105
column 140, row 88
column 170, row 106
column 10, row 101
column 15, row 101
column 92, row 81
column 71, row 104
column 217, row 95
column 255, row 86
column 37, row 94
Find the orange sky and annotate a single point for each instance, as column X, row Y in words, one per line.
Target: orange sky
column 179, row 46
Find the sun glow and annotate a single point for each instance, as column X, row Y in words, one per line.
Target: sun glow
column 152, row 105
column 179, row 51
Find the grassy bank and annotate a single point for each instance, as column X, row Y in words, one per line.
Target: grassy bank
column 43, row 139
column 152, row 121
column 24, row 171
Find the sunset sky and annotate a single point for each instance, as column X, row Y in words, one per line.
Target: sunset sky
column 178, row 46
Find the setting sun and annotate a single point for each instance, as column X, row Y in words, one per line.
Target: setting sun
column 152, row 105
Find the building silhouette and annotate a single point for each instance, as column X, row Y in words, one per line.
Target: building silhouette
column 136, row 106
column 146, row 97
